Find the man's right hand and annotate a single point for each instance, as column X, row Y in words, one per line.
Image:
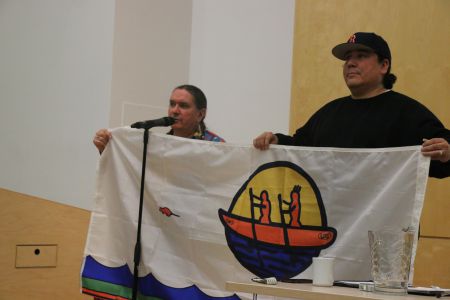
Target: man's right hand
column 101, row 139
column 263, row 141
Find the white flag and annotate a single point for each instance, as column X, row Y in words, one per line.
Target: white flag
column 217, row 212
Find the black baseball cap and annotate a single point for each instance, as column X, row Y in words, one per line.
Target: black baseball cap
column 363, row 41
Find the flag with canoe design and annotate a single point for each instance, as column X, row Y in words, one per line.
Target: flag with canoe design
column 218, row 212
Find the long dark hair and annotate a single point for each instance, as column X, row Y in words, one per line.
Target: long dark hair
column 389, row 79
column 199, row 100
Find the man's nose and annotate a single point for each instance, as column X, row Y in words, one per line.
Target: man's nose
column 175, row 109
column 350, row 62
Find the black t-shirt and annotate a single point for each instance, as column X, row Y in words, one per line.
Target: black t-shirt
column 387, row 120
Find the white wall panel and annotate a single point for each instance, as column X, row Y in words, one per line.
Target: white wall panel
column 241, row 54
column 55, row 81
column 151, row 57
column 68, row 68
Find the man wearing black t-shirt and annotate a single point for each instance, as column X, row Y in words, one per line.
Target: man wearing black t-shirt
column 373, row 116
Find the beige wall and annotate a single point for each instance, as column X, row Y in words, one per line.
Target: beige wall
column 418, row 33
column 43, row 224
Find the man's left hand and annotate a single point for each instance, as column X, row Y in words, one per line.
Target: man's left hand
column 436, row 149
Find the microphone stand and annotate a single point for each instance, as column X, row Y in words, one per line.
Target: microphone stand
column 146, row 125
column 137, row 248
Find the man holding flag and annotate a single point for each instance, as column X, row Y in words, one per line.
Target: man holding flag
column 373, row 116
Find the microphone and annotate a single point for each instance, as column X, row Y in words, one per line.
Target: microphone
column 165, row 121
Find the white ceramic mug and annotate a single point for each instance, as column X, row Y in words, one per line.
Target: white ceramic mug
column 323, row 271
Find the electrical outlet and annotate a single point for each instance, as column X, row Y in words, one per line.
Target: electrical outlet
column 36, row 256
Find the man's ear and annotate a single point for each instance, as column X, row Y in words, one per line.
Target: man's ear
column 202, row 114
column 385, row 64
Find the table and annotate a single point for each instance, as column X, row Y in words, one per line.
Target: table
column 306, row 291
